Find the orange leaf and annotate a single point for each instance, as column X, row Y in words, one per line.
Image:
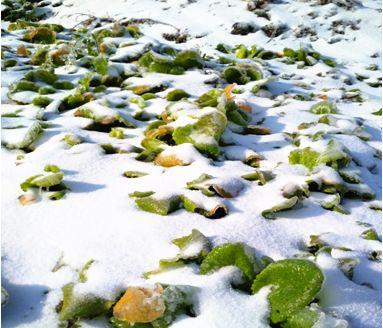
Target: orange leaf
column 227, row 90
column 324, row 97
column 140, row 305
column 168, row 161
column 245, row 107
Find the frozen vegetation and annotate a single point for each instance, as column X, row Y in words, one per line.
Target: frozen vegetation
column 191, row 163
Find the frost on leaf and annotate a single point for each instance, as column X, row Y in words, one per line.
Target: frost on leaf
column 332, row 156
column 295, row 283
column 313, row 317
column 141, row 305
column 205, row 133
column 168, row 160
column 192, row 248
column 283, row 206
column 82, row 276
column 155, row 307
column 50, row 182
column 292, row 189
column 179, row 155
column 228, row 254
column 370, row 234
column 171, row 64
column 260, row 176
column 242, row 74
column 246, row 155
column 210, row 186
column 23, row 137
column 304, row 318
column 117, row 133
column 305, row 156
column 42, row 35
column 176, row 95
column 196, row 205
column 103, row 117
column 209, row 99
column 41, row 75
column 76, row 306
column 134, row 174
column 4, row 296
column 332, row 202
column 161, row 206
column 323, row 107
column 72, row 140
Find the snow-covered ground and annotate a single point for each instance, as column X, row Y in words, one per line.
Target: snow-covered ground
column 97, row 219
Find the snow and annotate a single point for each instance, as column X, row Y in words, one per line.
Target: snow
column 98, row 220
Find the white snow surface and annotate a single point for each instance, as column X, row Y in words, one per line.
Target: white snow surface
column 98, row 220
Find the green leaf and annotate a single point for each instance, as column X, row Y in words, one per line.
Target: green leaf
column 230, row 254
column 305, row 156
column 42, row 35
column 196, row 241
column 153, row 145
column 378, row 112
column 117, row 133
column 148, row 96
column 159, row 206
column 47, row 180
column 84, row 306
column 107, row 119
column 333, row 203
column 125, row 324
column 82, row 276
column 134, row 174
column 29, row 138
column 233, row 74
column 285, row 205
column 134, row 31
column 139, row 101
column 74, row 100
column 241, row 52
column 165, row 265
column 21, row 24
column 295, row 283
column 52, row 168
column 100, row 65
column 176, row 302
column 323, row 107
column 56, row 195
column 261, row 176
column 287, row 52
column 188, row 59
column 42, row 75
column 63, row 85
column 198, row 184
column 204, row 134
column 334, row 156
column 304, row 318
column 329, row 62
column 216, row 212
column 193, row 248
column 224, row 48
column 41, row 101
column 176, row 95
column 141, row 194
column 46, row 90
column 72, row 140
column 209, row 99
column 370, row 234
column 23, row 85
